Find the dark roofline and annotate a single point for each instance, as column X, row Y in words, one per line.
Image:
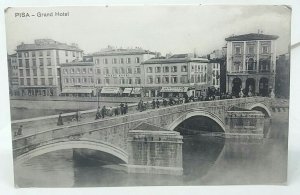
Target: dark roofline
column 251, row 36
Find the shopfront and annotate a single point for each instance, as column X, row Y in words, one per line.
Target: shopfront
column 110, row 91
column 136, row 92
column 174, row 91
column 78, row 92
column 126, row 92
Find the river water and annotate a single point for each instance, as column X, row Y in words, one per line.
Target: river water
column 207, row 160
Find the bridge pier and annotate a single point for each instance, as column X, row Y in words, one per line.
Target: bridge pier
column 154, row 152
column 244, row 124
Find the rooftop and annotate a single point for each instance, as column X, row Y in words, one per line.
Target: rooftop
column 252, row 36
column 78, row 64
column 44, row 44
column 120, row 51
column 177, row 58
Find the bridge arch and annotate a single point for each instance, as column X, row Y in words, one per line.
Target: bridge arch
column 82, row 144
column 261, row 107
column 188, row 115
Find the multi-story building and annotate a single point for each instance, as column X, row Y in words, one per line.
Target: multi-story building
column 77, row 79
column 118, row 71
column 251, row 64
column 13, row 74
column 39, row 65
column 219, row 75
column 177, row 75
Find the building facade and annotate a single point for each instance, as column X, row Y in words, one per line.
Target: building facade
column 119, row 71
column 282, row 84
column 39, row 66
column 251, row 64
column 13, row 74
column 177, row 75
column 78, row 79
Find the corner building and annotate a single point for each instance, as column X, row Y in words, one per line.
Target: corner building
column 251, row 64
column 39, row 66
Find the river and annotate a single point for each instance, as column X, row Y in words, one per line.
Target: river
column 207, row 160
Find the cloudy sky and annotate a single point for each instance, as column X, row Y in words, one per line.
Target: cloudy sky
column 175, row 29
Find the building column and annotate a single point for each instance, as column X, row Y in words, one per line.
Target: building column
column 257, row 56
column 244, row 57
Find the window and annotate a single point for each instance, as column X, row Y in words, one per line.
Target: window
column 73, row 53
column 157, row 69
column 41, row 61
column 122, row 61
column 183, row 79
column 28, row 72
column 28, row 81
column 35, row 81
column 78, row 80
column 49, row 71
column 98, row 81
column 122, row 81
column 237, row 50
column 21, row 72
column 67, row 60
column 50, row 81
column 22, row 81
column 149, row 70
column 42, row 81
column 192, row 79
column 166, row 69
column 128, row 60
column 48, row 61
column 78, row 70
column 174, row 69
column 149, row 79
column 71, row 71
column 122, row 70
column 48, row 52
column 106, row 81
column 84, row 80
column 97, row 61
column 98, row 71
column 34, row 62
column 105, row 61
column 157, row 80
column 129, row 70
column 20, row 63
column 26, row 54
column 65, row 71
column 166, row 79
column 27, row 63
column 40, row 53
column 33, row 54
column 84, row 70
column 66, row 80
column 129, row 81
column 73, row 80
column 42, row 72
column 137, row 60
column 137, row 70
column 106, row 71
column 34, row 72
column 66, row 53
column 137, row 80
column 265, row 49
column 115, row 70
column 114, row 60
column 174, row 79
column 90, row 70
column 57, row 53
column 251, row 49
column 183, row 68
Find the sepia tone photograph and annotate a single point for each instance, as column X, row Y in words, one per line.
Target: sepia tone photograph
column 109, row 96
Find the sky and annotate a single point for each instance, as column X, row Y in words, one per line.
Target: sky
column 165, row 29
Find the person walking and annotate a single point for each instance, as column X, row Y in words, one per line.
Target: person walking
column 20, row 130
column 153, row 104
column 103, row 111
column 126, row 108
column 157, row 103
column 122, row 108
column 60, row 120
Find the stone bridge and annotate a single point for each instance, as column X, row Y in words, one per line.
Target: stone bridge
column 120, row 136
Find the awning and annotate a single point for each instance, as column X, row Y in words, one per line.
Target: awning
column 74, row 90
column 127, row 90
column 174, row 89
column 136, row 91
column 110, row 90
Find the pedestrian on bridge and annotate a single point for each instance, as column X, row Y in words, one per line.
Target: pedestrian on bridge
column 103, row 111
column 153, row 104
column 157, row 103
column 60, row 120
column 20, row 131
column 122, row 108
column 126, row 108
